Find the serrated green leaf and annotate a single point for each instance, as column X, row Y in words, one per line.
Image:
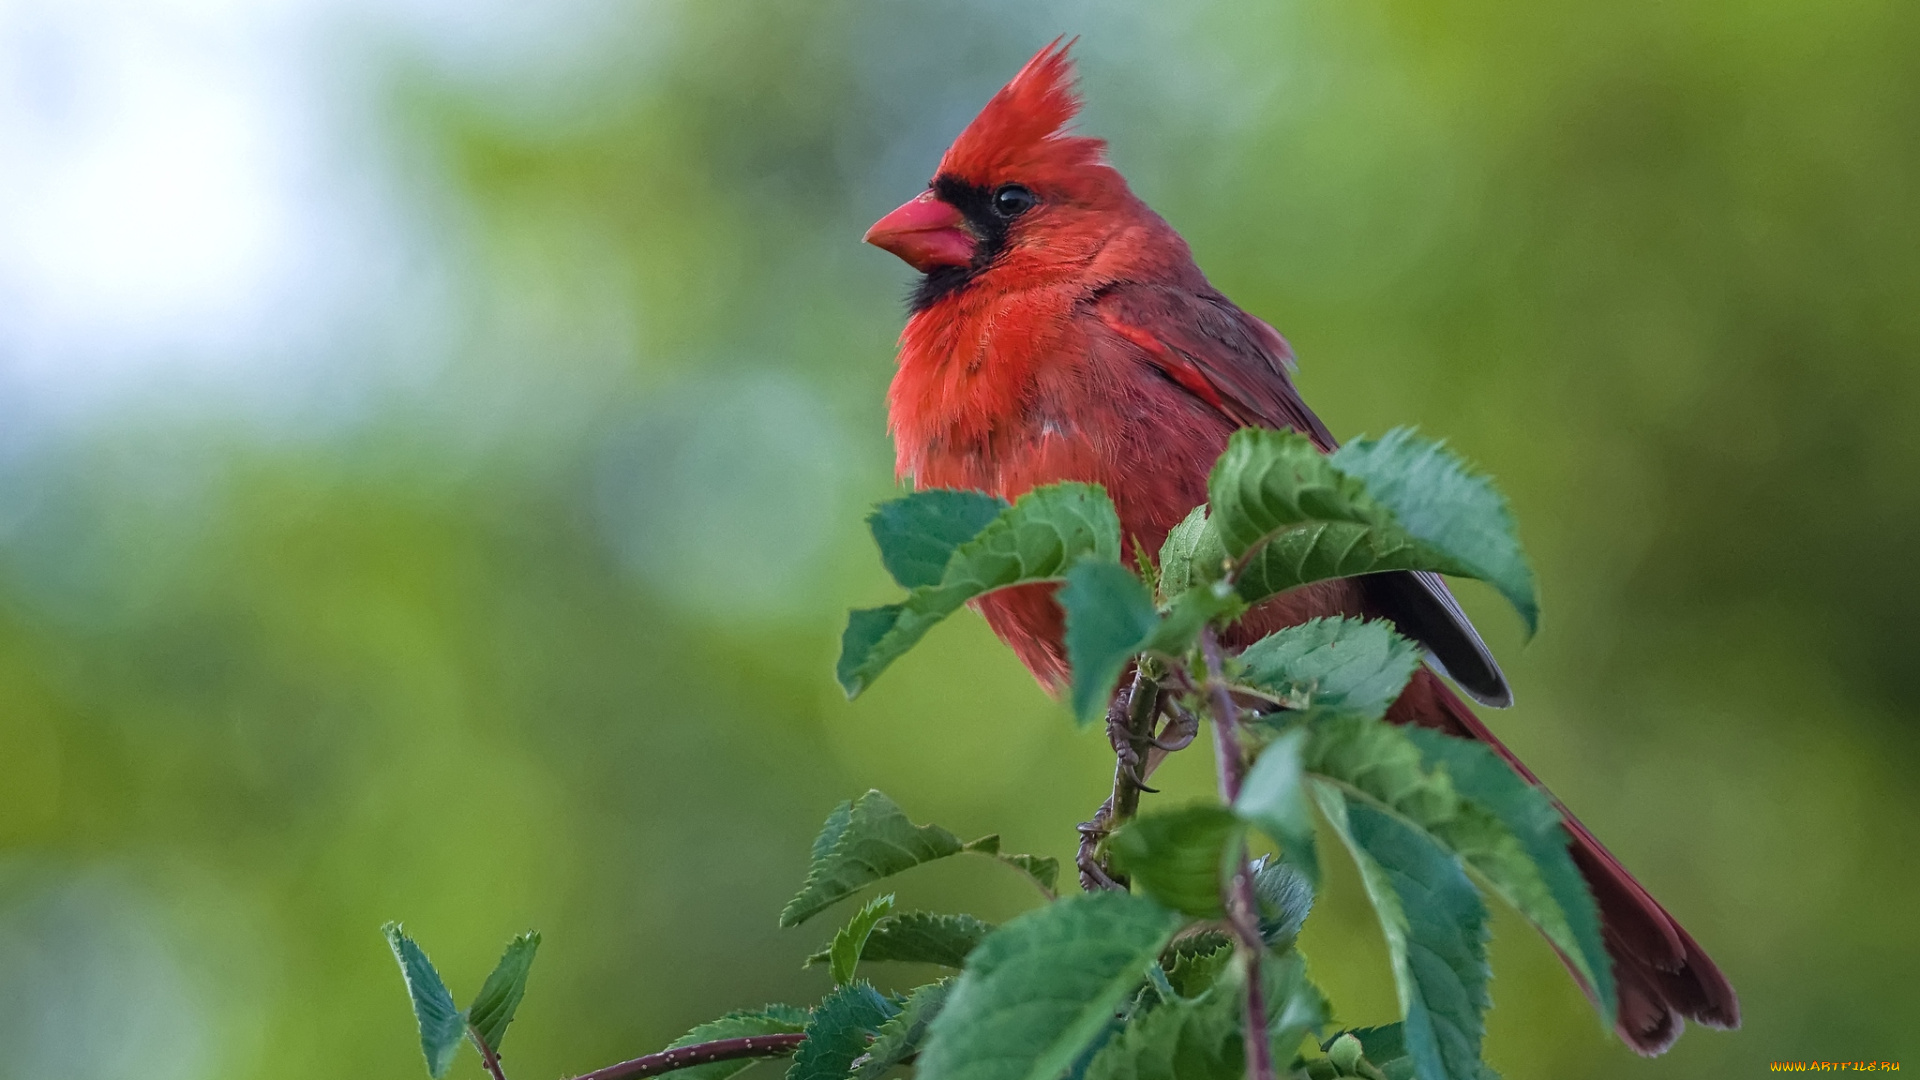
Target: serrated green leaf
column 1194, row 941
column 1042, row 988
column 1190, row 611
column 1037, row 539
column 1294, row 1005
column 917, row 535
column 1191, row 556
column 1110, row 618
column 839, row 1032
column 901, row 1037
column 1043, row 871
column 1202, row 1037
column 1352, row 665
column 831, row 830
column 1543, row 885
column 921, row 937
column 1193, row 972
column 441, row 1025
column 863, row 842
column 1197, row 1038
column 1295, row 516
column 766, row 1020
column 1436, row 931
column 1180, row 857
column 493, row 1007
column 1286, row 898
column 1509, row 831
column 1442, row 502
column 1273, row 798
column 1378, row 760
column 843, row 956
column 867, row 629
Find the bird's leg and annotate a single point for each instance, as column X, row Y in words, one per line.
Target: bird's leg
column 1094, row 876
column 1130, row 730
column 1181, row 729
column 1130, row 719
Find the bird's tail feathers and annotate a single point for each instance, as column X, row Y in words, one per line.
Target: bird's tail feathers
column 1662, row 977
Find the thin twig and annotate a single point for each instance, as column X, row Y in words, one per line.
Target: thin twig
column 487, row 1056
column 700, row 1054
column 1243, row 907
column 1226, row 716
column 1245, row 918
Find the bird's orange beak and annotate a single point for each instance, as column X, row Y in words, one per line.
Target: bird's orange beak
column 926, row 232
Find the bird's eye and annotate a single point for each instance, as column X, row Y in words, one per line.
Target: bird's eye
column 1012, row 200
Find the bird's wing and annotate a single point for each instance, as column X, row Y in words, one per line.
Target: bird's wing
column 1239, row 366
column 1216, row 352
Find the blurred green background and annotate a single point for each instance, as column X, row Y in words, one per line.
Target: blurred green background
column 434, row 440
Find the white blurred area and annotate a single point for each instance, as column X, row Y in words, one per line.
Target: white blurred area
column 200, row 204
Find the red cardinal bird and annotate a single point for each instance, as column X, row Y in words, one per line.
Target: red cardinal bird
column 1061, row 331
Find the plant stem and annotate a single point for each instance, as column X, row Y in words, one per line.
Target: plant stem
column 1243, row 907
column 700, row 1054
column 487, row 1056
column 1228, row 759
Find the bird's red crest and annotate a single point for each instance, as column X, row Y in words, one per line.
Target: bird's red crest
column 1023, row 127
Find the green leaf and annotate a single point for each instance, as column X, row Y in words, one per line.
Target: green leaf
column 831, row 830
column 1296, row 516
column 1198, row 1038
column 1035, row 540
column 1191, row 556
column 1378, row 760
column 1193, row 971
column 1294, row 1005
column 917, row 535
column 1507, row 830
column 1180, row 857
column 863, row 842
column 492, row 1009
column 1438, row 499
column 1273, row 797
column 1352, row 665
column 1043, row 871
column 1436, row 931
column 1110, row 618
column 901, row 1037
column 441, row 1025
column 921, row 937
column 1540, row 881
column 843, row 956
column 1191, row 610
column 766, row 1020
column 1286, row 897
column 1201, row 1037
column 1042, row 988
column 839, row 1031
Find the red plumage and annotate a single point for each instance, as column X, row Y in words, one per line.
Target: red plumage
column 1063, row 332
